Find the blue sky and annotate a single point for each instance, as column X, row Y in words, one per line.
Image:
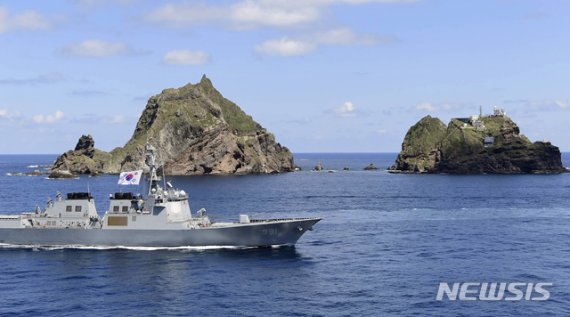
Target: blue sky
column 322, row 75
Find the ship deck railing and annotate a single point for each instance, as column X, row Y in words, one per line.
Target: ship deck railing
column 278, row 219
column 9, row 217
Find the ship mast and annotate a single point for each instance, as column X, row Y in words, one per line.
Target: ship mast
column 151, row 162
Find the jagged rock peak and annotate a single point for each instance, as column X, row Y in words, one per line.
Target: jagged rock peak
column 85, row 142
column 205, row 81
column 205, row 84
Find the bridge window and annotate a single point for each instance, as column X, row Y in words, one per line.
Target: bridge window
column 77, row 208
column 125, row 208
column 115, row 208
column 68, row 208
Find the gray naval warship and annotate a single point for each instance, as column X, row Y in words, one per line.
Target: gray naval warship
column 161, row 219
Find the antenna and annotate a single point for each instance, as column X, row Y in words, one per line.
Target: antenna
column 164, row 175
column 150, row 161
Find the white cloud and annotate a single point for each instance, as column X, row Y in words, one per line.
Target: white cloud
column 284, row 47
column 49, row 118
column 250, row 14
column 346, row 36
column 96, row 48
column 541, row 105
column 89, row 4
column 339, row 36
column 186, row 57
column 48, row 78
column 28, row 20
column 88, row 92
column 267, row 13
column 179, row 15
column 247, row 14
column 454, row 108
column 3, row 20
column 444, row 106
column 562, row 104
column 244, row 14
column 550, row 104
column 426, row 106
column 117, row 119
column 375, row 1
column 7, row 115
column 98, row 119
column 346, row 110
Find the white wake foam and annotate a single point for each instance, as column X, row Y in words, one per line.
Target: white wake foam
column 119, row 247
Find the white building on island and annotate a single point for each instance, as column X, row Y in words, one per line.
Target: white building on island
column 499, row 112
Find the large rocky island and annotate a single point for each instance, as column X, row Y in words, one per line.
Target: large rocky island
column 196, row 131
column 483, row 144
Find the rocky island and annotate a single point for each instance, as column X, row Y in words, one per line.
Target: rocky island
column 483, row 144
column 196, row 131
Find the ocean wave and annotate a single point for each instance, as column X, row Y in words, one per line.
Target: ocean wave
column 30, row 174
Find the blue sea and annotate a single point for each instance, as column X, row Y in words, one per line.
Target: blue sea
column 385, row 243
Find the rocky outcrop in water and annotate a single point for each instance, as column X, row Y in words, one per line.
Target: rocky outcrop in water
column 490, row 144
column 85, row 159
column 196, row 131
column 370, row 167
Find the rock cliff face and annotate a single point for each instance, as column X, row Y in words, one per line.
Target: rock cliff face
column 491, row 144
column 421, row 147
column 196, row 131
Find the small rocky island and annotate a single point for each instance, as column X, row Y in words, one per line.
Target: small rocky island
column 195, row 130
column 371, row 167
column 480, row 144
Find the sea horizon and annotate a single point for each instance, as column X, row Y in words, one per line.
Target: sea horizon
column 294, row 153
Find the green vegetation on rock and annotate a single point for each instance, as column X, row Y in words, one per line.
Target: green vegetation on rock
column 491, row 144
column 421, row 145
column 196, row 131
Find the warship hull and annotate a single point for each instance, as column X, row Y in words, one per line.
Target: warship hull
column 255, row 234
column 161, row 219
